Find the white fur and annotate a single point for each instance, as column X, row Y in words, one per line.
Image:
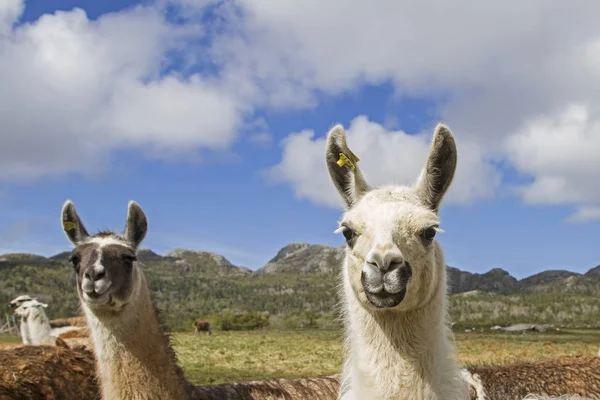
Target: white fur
column 475, row 382
column 56, row 332
column 108, row 241
column 17, row 301
column 23, row 329
column 403, row 351
column 38, row 325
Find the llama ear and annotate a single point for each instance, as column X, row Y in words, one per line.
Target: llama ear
column 343, row 168
column 137, row 224
column 71, row 223
column 437, row 175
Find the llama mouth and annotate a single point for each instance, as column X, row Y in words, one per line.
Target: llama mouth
column 386, row 290
column 95, row 299
column 386, row 300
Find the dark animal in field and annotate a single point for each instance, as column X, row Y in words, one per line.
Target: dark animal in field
column 202, row 326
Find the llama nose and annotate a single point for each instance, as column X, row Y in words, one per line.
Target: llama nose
column 383, row 257
column 93, row 275
column 95, row 280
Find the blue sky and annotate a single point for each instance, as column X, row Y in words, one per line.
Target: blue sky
column 199, row 116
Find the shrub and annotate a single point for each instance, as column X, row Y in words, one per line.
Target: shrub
column 244, row 321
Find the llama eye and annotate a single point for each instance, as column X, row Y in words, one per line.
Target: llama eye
column 348, row 233
column 74, row 260
column 429, row 234
column 128, row 258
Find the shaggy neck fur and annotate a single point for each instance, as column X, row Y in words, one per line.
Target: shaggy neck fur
column 400, row 355
column 134, row 356
column 38, row 326
column 24, row 331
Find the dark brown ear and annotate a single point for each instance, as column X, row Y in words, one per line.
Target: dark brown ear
column 136, row 225
column 343, row 169
column 71, row 223
column 437, row 175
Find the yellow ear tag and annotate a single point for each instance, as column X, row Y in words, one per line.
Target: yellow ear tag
column 68, row 225
column 343, row 160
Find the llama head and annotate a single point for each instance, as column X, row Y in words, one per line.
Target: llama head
column 107, row 276
column 392, row 257
column 17, row 301
column 31, row 307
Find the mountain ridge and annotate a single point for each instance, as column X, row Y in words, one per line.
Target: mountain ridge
column 305, row 258
column 299, row 284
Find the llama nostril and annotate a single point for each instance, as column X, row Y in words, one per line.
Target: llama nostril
column 395, row 264
column 99, row 275
column 86, row 275
column 384, row 261
column 372, row 278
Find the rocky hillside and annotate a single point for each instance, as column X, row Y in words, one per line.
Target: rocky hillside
column 495, row 280
column 298, row 283
column 317, row 259
column 200, row 262
column 304, row 258
column 594, row 272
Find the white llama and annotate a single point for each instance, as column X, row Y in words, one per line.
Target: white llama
column 15, row 303
column 398, row 342
column 24, row 330
column 38, row 325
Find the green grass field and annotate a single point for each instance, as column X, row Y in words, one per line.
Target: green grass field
column 242, row 356
column 9, row 340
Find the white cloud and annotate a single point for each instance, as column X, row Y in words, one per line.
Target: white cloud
column 493, row 67
column 386, row 157
column 561, row 153
column 10, row 11
column 74, row 89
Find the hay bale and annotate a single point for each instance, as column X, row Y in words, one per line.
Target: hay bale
column 47, row 372
column 72, row 321
column 567, row 375
column 75, row 333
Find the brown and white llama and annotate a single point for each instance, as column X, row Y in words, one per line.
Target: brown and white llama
column 398, row 342
column 202, row 326
column 134, row 356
